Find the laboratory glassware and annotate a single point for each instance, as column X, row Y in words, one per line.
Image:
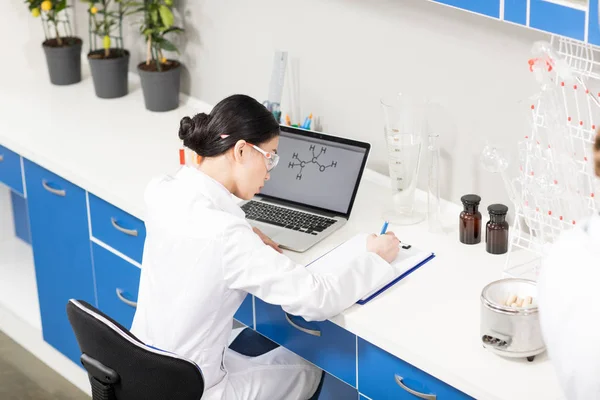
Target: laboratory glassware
column 404, row 128
column 496, row 234
column 470, row 220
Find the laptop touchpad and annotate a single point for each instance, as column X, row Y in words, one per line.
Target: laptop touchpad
column 270, row 231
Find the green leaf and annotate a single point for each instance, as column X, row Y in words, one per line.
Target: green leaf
column 135, row 11
column 60, row 6
column 167, row 45
column 154, row 16
column 172, row 29
column 166, row 15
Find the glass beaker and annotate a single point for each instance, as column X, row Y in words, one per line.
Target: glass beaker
column 404, row 127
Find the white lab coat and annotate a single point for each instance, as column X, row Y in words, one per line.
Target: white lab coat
column 569, row 303
column 201, row 258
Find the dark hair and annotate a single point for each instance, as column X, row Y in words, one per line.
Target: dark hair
column 239, row 116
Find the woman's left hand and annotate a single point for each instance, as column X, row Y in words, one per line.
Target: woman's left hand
column 267, row 240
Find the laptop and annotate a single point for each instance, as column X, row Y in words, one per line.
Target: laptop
column 311, row 191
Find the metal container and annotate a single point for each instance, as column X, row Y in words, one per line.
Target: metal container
column 508, row 331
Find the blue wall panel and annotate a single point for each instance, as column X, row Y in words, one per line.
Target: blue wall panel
column 490, row 8
column 594, row 26
column 516, row 11
column 557, row 19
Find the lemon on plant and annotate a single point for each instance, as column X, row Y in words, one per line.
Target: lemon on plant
column 106, row 42
column 93, row 10
column 35, row 12
column 46, row 5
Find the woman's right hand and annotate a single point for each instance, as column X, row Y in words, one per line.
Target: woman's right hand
column 386, row 246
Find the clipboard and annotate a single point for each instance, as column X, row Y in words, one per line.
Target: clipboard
column 408, row 261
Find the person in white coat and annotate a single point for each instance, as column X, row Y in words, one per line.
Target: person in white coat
column 569, row 306
column 202, row 258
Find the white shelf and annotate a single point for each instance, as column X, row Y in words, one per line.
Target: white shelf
column 18, row 286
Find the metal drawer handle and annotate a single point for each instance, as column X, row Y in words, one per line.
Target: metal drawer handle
column 57, row 192
column 417, row 394
column 124, row 300
column 130, row 232
column 309, row 331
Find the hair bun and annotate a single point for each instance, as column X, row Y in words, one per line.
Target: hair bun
column 186, row 128
column 200, row 120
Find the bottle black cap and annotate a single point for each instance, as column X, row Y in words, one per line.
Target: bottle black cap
column 470, row 199
column 498, row 209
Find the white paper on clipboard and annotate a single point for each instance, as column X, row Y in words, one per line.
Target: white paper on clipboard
column 335, row 260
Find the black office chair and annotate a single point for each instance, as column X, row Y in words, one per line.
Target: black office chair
column 122, row 367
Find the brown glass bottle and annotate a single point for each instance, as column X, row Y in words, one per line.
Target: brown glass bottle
column 470, row 220
column 496, row 236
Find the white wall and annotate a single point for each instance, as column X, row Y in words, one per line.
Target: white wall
column 350, row 52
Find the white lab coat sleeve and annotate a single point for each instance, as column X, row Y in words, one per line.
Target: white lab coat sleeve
column 250, row 265
column 570, row 314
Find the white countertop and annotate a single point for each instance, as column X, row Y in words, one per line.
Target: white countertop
column 430, row 319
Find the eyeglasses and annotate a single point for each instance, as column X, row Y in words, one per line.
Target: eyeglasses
column 271, row 159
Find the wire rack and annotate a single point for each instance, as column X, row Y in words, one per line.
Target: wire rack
column 556, row 187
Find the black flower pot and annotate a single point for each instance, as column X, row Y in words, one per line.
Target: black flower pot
column 64, row 61
column 110, row 73
column 161, row 88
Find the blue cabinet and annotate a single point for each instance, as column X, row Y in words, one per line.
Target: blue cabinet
column 325, row 344
column 117, row 283
column 10, row 170
column 335, row 389
column 117, row 228
column 61, row 251
column 382, row 376
column 245, row 314
column 20, row 217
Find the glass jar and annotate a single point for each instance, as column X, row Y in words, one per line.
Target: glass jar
column 470, row 220
column 496, row 237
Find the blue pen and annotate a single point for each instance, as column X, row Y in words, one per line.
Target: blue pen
column 384, row 228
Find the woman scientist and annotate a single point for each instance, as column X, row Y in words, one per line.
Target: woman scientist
column 201, row 259
column 569, row 306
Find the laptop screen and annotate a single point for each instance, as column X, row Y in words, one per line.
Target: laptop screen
column 317, row 170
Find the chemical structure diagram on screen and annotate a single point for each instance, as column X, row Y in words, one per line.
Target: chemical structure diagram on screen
column 313, row 160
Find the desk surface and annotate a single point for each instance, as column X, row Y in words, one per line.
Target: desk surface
column 430, row 319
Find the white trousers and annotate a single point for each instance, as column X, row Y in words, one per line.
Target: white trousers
column 276, row 375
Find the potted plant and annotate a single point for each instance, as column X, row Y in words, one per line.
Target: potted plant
column 62, row 48
column 160, row 76
column 110, row 62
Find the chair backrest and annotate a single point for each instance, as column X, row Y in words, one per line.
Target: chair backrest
column 134, row 370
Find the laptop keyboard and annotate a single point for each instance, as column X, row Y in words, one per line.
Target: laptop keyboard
column 297, row 220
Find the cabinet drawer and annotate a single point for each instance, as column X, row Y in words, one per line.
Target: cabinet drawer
column 382, row 376
column 10, row 170
column 117, row 283
column 117, row 228
column 61, row 252
column 325, row 344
